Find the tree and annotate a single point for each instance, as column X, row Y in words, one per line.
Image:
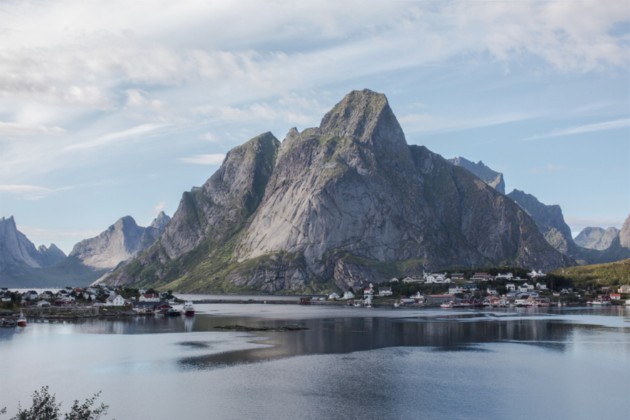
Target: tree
column 45, row 407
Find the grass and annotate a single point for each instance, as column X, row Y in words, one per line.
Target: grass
column 609, row 274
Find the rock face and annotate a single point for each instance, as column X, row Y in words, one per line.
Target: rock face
column 341, row 204
column 624, row 234
column 487, row 175
column 549, row 220
column 17, row 250
column 120, row 242
column 21, row 264
column 596, row 237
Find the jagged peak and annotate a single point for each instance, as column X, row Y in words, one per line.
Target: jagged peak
column 160, row 221
column 361, row 115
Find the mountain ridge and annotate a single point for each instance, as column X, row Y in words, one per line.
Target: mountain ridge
column 334, row 206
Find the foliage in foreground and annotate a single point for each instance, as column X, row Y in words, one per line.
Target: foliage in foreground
column 45, row 407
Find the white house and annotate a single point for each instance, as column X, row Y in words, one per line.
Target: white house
column 624, row 288
column 348, row 295
column 541, row 286
column 506, row 276
column 385, row 291
column 149, row 297
column 511, row 287
column 115, row 301
column 452, row 290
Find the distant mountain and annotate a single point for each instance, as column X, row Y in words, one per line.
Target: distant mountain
column 22, row 265
column 20, row 260
column 487, row 175
column 15, row 248
column 339, row 205
column 549, row 220
column 120, row 242
column 596, row 237
column 624, row 234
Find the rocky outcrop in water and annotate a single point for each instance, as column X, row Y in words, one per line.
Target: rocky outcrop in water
column 341, row 204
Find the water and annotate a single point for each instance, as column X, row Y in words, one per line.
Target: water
column 348, row 363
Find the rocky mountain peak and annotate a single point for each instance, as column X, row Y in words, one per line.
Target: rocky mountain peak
column 483, row 172
column 365, row 116
column 160, row 221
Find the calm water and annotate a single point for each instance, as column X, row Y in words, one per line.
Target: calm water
column 348, row 363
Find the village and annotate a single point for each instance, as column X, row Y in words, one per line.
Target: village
column 444, row 290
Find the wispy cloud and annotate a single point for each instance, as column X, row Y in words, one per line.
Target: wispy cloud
column 134, row 132
column 582, row 129
column 427, row 123
column 30, row 192
column 206, row 159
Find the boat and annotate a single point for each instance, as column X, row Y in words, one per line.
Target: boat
column 447, row 305
column 21, row 321
column 189, row 309
column 172, row 312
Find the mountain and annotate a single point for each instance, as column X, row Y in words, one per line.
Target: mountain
column 596, row 237
column 549, row 220
column 337, row 205
column 487, row 175
column 20, row 260
column 624, row 234
column 119, row 242
column 15, row 248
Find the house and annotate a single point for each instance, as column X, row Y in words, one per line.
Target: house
column 481, row 277
column 511, row 287
column 412, row 279
column 534, row 274
column 348, row 295
column 149, row 297
column 385, row 291
column 457, row 277
column 115, row 300
column 505, row 276
column 333, row 296
column 492, row 292
column 453, row 290
column 615, row 296
column 625, row 288
column 541, row 286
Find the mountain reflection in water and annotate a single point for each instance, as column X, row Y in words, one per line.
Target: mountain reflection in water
column 346, row 335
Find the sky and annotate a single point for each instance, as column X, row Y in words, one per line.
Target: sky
column 114, row 108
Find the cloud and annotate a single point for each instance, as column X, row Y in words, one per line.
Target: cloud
column 30, row 192
column 208, row 159
column 428, row 123
column 159, row 207
column 582, row 129
column 142, row 130
column 9, row 129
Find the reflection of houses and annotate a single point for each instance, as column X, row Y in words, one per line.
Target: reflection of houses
column 439, row 299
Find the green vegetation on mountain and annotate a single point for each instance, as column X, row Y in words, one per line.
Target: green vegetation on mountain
column 609, row 274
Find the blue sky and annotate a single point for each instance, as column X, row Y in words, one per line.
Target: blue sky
column 115, row 108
